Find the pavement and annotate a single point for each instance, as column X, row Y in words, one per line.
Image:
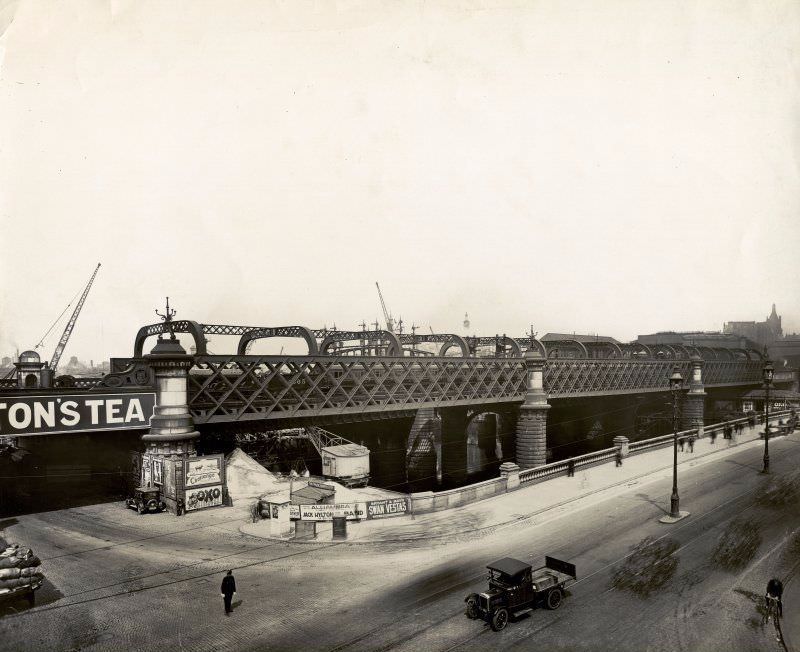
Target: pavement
column 539, row 502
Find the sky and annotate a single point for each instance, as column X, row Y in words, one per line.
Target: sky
column 619, row 168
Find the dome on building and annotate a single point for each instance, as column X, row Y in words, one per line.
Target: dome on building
column 29, row 356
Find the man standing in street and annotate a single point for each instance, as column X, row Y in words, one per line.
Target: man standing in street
column 228, row 591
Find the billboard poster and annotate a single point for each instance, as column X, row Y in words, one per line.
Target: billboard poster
column 168, row 488
column 202, row 471
column 147, row 469
column 64, row 413
column 351, row 511
column 158, row 470
column 388, row 507
column 202, row 498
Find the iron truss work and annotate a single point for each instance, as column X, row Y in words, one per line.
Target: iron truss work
column 247, row 334
column 276, row 388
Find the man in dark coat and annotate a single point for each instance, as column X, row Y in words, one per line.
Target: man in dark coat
column 228, row 591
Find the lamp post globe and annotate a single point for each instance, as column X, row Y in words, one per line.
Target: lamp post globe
column 768, row 372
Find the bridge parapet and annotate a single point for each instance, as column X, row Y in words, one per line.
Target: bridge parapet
column 241, row 388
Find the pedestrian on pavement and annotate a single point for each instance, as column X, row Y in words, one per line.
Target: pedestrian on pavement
column 681, row 441
column 228, row 590
column 691, row 442
column 618, row 457
column 775, row 592
column 571, row 468
column 713, row 436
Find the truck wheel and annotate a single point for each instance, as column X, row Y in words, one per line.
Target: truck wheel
column 472, row 607
column 554, row 599
column 500, row 619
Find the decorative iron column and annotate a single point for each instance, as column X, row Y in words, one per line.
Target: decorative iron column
column 172, row 433
column 532, row 421
column 694, row 401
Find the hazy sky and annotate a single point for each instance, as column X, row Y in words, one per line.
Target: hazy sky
column 611, row 167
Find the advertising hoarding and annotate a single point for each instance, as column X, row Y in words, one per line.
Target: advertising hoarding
column 64, row 413
column 351, row 511
column 147, row 470
column 202, row 471
column 202, row 498
column 387, row 508
column 158, row 471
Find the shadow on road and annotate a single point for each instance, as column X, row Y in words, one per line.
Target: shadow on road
column 647, row 499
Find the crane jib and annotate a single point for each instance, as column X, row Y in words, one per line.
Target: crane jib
column 62, row 343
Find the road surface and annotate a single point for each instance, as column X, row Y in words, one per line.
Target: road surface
column 117, row 581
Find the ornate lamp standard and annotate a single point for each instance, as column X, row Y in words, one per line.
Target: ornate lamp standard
column 769, row 370
column 675, row 513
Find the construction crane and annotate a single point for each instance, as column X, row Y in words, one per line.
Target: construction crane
column 71, row 324
column 386, row 315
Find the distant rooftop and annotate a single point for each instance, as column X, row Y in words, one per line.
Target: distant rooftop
column 583, row 339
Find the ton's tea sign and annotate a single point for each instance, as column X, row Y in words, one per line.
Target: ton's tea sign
column 62, row 413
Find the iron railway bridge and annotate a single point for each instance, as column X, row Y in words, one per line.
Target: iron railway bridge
column 360, row 375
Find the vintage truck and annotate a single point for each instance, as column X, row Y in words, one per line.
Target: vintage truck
column 516, row 589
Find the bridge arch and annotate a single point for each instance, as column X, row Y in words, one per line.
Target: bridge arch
column 680, row 348
column 724, row 353
column 455, row 340
column 554, row 348
column 664, row 351
column 636, row 349
column 525, row 345
column 693, row 350
column 741, row 354
column 393, row 346
column 247, row 339
column 596, row 349
column 706, row 352
column 183, row 326
column 448, row 341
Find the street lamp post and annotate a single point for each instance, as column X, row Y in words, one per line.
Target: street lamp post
column 675, row 513
column 769, row 370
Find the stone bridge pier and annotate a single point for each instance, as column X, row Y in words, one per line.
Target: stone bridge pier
column 531, row 441
column 693, row 412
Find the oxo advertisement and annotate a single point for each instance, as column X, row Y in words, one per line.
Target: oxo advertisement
column 64, row 413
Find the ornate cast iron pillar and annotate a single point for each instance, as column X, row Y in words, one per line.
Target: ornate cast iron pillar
column 532, row 421
column 694, row 401
column 172, row 432
column 454, row 445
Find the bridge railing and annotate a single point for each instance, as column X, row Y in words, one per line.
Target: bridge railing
column 235, row 388
column 561, row 467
